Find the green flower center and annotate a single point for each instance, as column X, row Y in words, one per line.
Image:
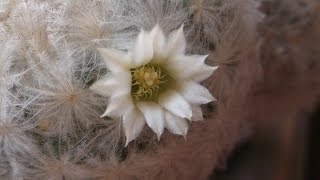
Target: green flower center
column 148, row 81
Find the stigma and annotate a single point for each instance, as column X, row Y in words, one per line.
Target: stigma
column 147, row 81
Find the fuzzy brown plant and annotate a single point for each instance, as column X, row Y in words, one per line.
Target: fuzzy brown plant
column 289, row 88
column 290, row 59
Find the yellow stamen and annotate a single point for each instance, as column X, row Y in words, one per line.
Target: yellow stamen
column 146, row 82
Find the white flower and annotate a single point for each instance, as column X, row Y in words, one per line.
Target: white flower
column 156, row 84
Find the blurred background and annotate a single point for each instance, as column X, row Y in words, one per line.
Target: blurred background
column 292, row 154
column 285, row 108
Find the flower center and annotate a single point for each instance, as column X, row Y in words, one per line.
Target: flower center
column 147, row 82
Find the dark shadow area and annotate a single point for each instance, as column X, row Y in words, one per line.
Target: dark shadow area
column 312, row 171
column 265, row 157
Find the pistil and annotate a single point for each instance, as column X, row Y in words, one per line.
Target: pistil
column 147, row 81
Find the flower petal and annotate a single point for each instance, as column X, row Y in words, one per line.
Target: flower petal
column 195, row 93
column 115, row 60
column 173, row 102
column 159, row 44
column 113, row 84
column 118, row 106
column 143, row 50
column 154, row 116
column 176, row 43
column 133, row 123
column 196, row 113
column 204, row 73
column 190, row 67
column 176, row 125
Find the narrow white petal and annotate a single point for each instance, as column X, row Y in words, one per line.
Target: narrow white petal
column 118, row 106
column 115, row 60
column 190, row 67
column 153, row 115
column 143, row 50
column 184, row 67
column 103, row 87
column 173, row 102
column 133, row 123
column 204, row 73
column 159, row 45
column 113, row 84
column 196, row 113
column 195, row 93
column 175, row 124
column 176, row 43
